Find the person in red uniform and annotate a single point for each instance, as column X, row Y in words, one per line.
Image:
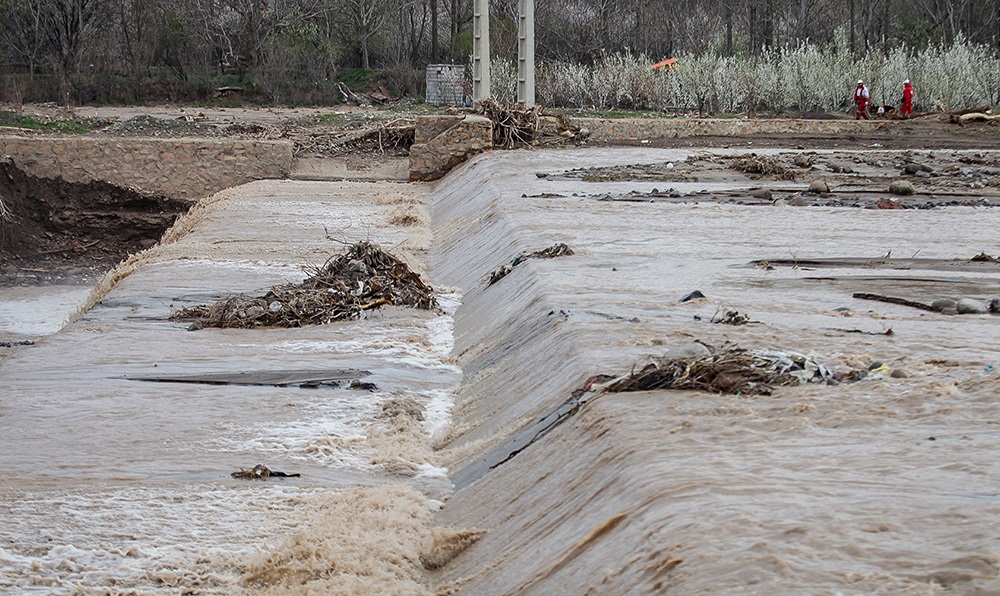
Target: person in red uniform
column 907, row 107
column 861, row 99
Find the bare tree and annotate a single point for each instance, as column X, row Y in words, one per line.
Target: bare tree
column 67, row 26
column 21, row 31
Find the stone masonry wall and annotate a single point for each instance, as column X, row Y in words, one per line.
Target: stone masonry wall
column 179, row 168
column 455, row 142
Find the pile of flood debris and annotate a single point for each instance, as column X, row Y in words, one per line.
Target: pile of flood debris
column 763, row 165
column 728, row 370
column 362, row 278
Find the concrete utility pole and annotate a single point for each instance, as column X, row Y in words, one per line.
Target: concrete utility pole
column 480, row 49
column 526, row 52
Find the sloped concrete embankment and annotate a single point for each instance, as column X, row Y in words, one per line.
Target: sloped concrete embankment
column 543, row 508
column 815, row 489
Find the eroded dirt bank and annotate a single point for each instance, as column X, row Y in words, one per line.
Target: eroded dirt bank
column 54, row 231
column 883, row 484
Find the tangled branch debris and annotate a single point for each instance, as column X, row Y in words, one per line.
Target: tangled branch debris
column 729, row 370
column 556, row 250
column 363, row 278
column 765, row 166
column 395, row 136
column 514, row 125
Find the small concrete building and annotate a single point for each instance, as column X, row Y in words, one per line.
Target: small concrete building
column 445, row 84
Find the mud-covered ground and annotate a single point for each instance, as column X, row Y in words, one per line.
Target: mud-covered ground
column 877, row 179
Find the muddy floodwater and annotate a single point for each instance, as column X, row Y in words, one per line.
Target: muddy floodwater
column 484, row 461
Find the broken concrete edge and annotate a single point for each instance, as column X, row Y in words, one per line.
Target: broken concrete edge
column 448, row 141
column 181, row 168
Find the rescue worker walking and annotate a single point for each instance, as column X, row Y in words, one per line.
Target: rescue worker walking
column 861, row 99
column 907, row 108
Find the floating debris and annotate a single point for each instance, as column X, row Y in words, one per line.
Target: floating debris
column 887, row 332
column 12, row 344
column 895, row 300
column 729, row 370
column 983, row 257
column 732, row 317
column 556, row 250
column 261, row 472
column 362, row 278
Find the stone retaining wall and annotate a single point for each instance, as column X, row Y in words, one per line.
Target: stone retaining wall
column 631, row 130
column 179, row 168
column 443, row 142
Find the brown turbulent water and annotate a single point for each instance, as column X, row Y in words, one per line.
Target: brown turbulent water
column 887, row 485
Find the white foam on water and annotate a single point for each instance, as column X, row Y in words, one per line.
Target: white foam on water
column 41, row 310
column 149, row 540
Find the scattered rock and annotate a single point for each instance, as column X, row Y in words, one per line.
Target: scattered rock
column 885, row 203
column 796, row 201
column 901, row 187
column 803, row 161
column 968, row 306
column 995, row 306
column 692, row 296
column 944, row 303
column 818, row 186
column 761, row 193
column 899, row 374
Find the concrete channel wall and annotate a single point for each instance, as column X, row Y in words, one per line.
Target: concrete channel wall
column 636, row 129
column 179, row 168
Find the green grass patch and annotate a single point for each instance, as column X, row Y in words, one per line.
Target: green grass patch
column 13, row 119
column 359, row 78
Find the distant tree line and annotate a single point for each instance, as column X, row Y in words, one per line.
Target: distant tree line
column 293, row 51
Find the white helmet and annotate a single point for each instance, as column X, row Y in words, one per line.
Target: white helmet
column 860, row 81
column 906, row 82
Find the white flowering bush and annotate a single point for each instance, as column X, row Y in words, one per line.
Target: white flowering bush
column 800, row 78
column 503, row 80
